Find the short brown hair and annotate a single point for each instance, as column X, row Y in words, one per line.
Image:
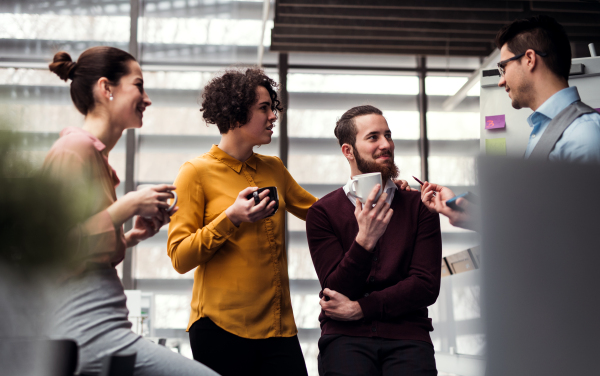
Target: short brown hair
column 93, row 64
column 345, row 127
column 226, row 100
column 542, row 34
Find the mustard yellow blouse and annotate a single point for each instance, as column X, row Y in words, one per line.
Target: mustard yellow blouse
column 241, row 281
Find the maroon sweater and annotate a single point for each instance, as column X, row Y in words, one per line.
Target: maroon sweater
column 395, row 283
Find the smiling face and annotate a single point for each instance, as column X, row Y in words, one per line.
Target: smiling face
column 129, row 99
column 515, row 80
column 374, row 147
column 259, row 129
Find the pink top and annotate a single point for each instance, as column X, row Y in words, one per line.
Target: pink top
column 76, row 157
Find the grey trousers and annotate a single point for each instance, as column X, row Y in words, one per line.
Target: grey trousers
column 90, row 309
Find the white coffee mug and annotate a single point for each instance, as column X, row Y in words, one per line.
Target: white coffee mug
column 142, row 186
column 362, row 185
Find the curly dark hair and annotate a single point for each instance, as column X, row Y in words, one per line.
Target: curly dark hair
column 226, row 100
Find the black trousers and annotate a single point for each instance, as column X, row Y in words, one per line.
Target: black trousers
column 228, row 354
column 371, row 356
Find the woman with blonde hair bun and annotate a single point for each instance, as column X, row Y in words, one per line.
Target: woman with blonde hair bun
column 107, row 87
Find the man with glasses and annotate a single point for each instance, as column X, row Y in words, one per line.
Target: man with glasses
column 536, row 60
column 534, row 70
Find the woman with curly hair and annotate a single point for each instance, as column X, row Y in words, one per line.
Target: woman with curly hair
column 241, row 320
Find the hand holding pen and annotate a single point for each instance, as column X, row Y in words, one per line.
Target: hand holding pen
column 429, row 191
column 420, row 182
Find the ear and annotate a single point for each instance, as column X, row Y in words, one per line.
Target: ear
column 103, row 88
column 531, row 60
column 348, row 151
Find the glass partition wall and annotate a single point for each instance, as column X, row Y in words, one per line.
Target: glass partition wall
column 181, row 44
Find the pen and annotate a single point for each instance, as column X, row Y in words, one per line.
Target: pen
column 420, row 182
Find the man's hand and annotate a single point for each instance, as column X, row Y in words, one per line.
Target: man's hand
column 339, row 307
column 427, row 195
column 403, row 185
column 372, row 220
column 467, row 219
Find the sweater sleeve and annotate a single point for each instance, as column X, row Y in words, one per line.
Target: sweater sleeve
column 422, row 286
column 191, row 242
column 338, row 270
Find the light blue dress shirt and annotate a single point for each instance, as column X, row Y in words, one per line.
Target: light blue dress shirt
column 580, row 142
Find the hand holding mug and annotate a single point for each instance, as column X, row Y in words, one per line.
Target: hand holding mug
column 246, row 210
column 151, row 198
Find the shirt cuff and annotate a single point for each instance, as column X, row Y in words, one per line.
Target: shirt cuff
column 222, row 226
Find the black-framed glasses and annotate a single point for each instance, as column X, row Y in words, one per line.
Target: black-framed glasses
column 502, row 64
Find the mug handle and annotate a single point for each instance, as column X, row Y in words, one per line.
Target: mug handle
column 352, row 190
column 174, row 202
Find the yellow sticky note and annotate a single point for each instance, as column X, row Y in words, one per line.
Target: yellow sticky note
column 495, row 146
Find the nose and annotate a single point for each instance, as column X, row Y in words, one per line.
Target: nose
column 147, row 100
column 502, row 81
column 272, row 116
column 386, row 144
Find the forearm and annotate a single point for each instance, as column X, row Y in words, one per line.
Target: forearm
column 395, row 301
column 122, row 210
column 188, row 248
column 349, row 276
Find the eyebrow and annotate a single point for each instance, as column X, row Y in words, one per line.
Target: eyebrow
column 267, row 103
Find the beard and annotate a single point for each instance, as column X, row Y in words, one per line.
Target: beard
column 388, row 169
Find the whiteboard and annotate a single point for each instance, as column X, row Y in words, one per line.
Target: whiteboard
column 494, row 100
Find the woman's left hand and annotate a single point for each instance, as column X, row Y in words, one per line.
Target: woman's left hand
column 144, row 228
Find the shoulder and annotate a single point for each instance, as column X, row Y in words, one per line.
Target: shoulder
column 74, row 147
column 75, row 142
column 412, row 197
column 269, row 160
column 330, row 201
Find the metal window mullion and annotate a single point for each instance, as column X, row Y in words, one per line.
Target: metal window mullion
column 422, row 101
column 130, row 150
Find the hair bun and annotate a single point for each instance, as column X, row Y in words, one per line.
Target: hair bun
column 63, row 65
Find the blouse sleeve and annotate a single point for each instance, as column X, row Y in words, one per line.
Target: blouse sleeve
column 297, row 199
column 191, row 242
column 95, row 234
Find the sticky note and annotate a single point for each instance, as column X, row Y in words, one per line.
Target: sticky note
column 495, row 146
column 495, row 122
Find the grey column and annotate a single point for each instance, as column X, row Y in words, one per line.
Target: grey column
column 130, row 150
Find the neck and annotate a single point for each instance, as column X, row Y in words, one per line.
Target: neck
column 545, row 88
column 101, row 128
column 235, row 146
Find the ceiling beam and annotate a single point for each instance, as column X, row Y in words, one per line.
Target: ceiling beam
column 450, row 103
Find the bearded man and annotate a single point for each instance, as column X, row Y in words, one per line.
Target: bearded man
column 379, row 265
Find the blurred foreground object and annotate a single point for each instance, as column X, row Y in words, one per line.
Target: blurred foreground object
column 35, row 217
column 540, row 256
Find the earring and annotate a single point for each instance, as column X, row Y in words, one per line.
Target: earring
column 111, row 97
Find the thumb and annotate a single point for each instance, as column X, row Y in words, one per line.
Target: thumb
column 327, row 292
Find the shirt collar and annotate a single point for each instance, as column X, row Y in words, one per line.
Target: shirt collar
column 95, row 141
column 555, row 104
column 230, row 161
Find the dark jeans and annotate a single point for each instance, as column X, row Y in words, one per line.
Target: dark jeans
column 361, row 356
column 229, row 354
